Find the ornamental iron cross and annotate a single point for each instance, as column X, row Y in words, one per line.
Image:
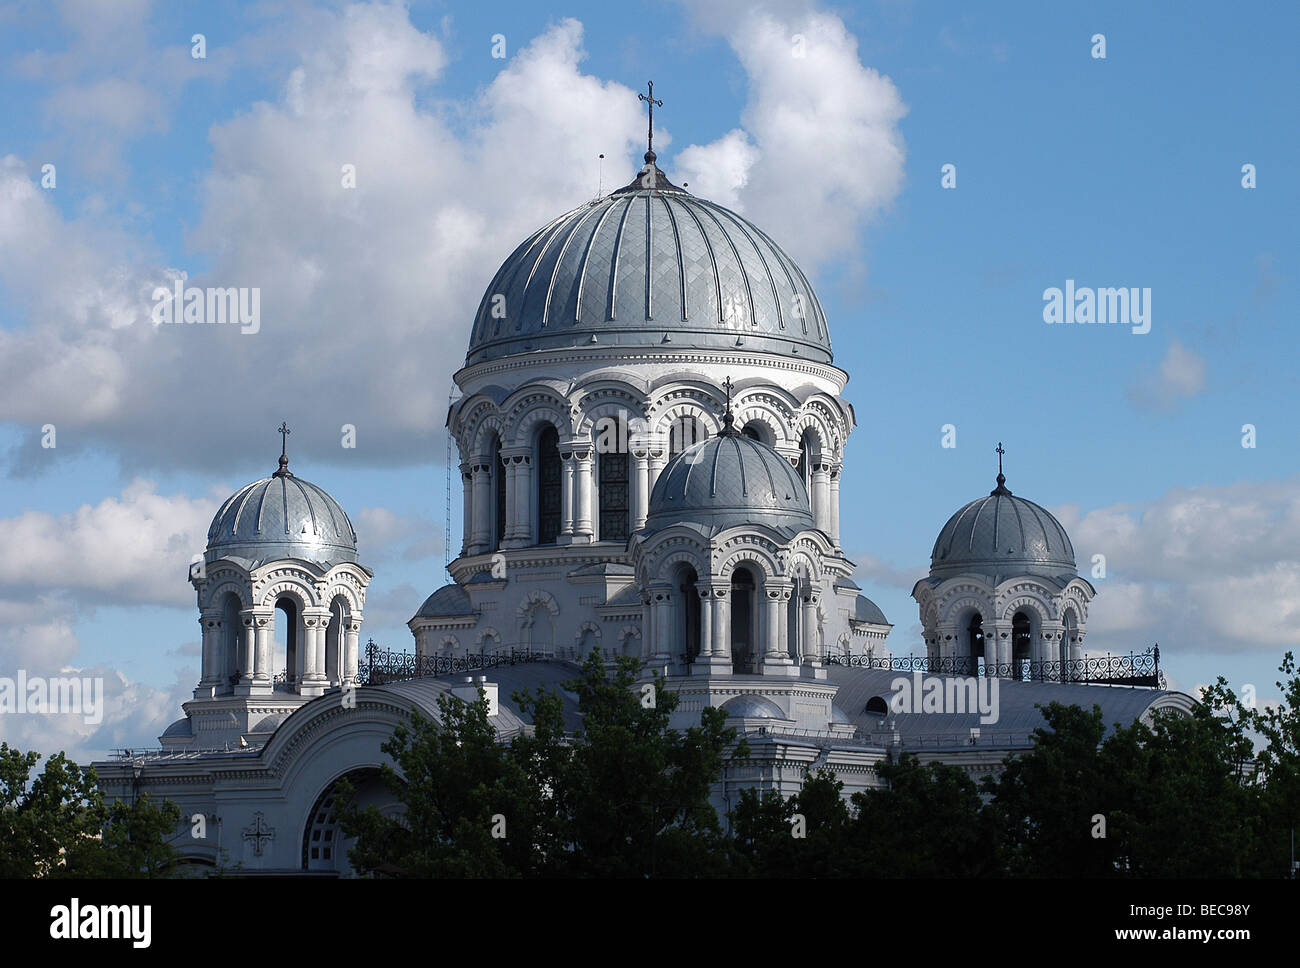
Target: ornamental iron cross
column 259, row 833
column 727, row 385
column 1000, row 452
column 650, row 131
column 284, row 432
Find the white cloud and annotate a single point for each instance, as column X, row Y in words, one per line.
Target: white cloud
column 1179, row 376
column 362, row 290
column 819, row 152
column 132, row 549
column 1213, row 569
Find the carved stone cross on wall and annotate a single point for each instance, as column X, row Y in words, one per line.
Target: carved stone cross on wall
column 259, row 833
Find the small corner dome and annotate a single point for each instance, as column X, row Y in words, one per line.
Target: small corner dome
column 865, row 610
column 727, row 480
column 752, row 707
column 447, row 600
column 282, row 516
column 1000, row 534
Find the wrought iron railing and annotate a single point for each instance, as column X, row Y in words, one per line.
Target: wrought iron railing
column 379, row 665
column 1134, row 669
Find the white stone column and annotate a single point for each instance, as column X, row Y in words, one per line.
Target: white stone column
column 812, row 652
column 656, row 460
column 527, row 502
column 1050, row 653
column 990, row 649
column 351, row 638
column 467, row 505
column 835, row 504
column 566, row 497
column 1003, row 638
column 213, row 635
column 314, row 681
column 721, row 628
column 661, row 622
column 582, row 526
column 776, row 594
column 706, row 622
column 821, row 496
column 640, row 484
column 481, row 474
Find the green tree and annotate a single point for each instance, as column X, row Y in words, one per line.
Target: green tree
column 805, row 835
column 927, row 821
column 58, row 824
column 1179, row 808
column 637, row 792
column 471, row 809
column 1047, row 798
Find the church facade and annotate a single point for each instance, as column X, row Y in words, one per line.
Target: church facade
column 651, row 433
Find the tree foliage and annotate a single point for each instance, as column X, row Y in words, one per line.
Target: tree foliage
column 59, row 825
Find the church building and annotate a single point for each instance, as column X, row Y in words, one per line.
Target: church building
column 651, row 431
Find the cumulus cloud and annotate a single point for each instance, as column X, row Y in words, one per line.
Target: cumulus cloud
column 361, row 289
column 1214, row 569
column 1179, row 376
column 132, row 549
column 819, row 151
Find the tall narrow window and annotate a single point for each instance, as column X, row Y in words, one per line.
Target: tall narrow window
column 690, row 614
column 499, row 493
column 1022, row 639
column 742, row 621
column 974, row 645
column 615, row 511
column 548, row 486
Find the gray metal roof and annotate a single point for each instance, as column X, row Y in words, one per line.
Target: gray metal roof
column 644, row 263
column 1017, row 714
column 999, row 534
column 526, row 677
column 727, row 480
column 447, row 600
column 282, row 516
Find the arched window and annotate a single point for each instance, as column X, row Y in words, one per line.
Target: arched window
column 753, row 430
column 615, row 509
column 498, row 530
column 974, row 645
column 742, row 621
column 335, row 640
column 286, row 643
column 1022, row 645
column 232, row 636
column 1070, row 646
column 808, row 454
column 548, row 485
column 689, row 613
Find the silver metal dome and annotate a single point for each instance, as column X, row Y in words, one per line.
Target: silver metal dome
column 650, row 267
column 752, row 707
column 999, row 534
column 282, row 516
column 727, row 480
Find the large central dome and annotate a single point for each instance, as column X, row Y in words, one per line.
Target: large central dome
column 650, row 265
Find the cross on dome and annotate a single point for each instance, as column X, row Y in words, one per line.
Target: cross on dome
column 284, row 432
column 1002, row 480
column 650, row 130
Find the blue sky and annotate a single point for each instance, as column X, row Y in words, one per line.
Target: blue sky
column 1123, row 171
